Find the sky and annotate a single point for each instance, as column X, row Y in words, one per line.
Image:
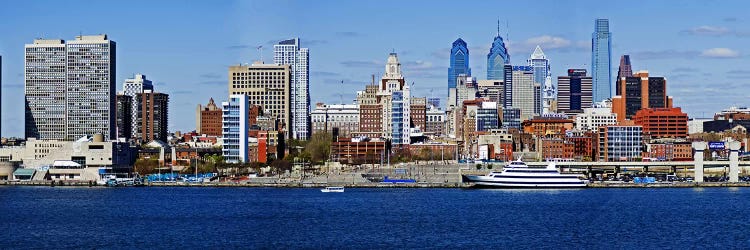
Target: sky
column 186, row 47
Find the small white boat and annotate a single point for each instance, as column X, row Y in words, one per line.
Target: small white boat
column 332, row 190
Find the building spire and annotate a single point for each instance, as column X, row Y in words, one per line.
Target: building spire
column 498, row 27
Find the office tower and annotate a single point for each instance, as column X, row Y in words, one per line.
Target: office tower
column 491, row 90
column 487, row 117
column 267, row 86
column 69, row 88
column 539, row 62
column 601, row 61
column 662, row 122
column 526, row 94
column 395, row 100
column 640, row 91
column 152, row 120
column 235, row 128
column 132, row 87
column 208, row 119
column 289, row 52
column 619, row 143
column 549, row 96
column 45, row 86
column 497, row 58
column 90, row 89
column 418, row 113
column 625, row 70
column 574, row 92
column 508, row 86
column 459, row 63
column 124, row 116
column 466, row 89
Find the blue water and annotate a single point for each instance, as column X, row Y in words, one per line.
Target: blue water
column 65, row 217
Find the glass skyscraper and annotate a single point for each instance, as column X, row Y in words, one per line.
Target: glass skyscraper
column 497, row 59
column 459, row 62
column 290, row 52
column 539, row 62
column 601, row 61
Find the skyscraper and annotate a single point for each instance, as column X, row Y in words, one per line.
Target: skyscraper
column 625, row 70
column 153, row 118
column 497, row 58
column 459, row 63
column 268, row 86
column 601, row 61
column 69, row 88
column 289, row 52
column 574, row 92
column 640, row 91
column 525, row 92
column 124, row 116
column 132, row 87
column 540, row 64
column 395, row 98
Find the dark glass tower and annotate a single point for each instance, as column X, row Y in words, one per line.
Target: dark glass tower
column 459, row 62
column 601, row 60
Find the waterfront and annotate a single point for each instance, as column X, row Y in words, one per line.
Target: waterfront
column 82, row 217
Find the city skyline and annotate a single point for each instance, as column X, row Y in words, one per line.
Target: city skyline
column 194, row 69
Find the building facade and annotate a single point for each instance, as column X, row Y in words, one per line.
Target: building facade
column 419, row 113
column 267, row 86
column 619, row 143
column 601, row 60
column 662, row 122
column 152, row 121
column 435, row 123
column 491, row 90
column 526, row 94
column 370, row 111
column 395, row 99
column 69, row 88
column 132, row 87
column 459, row 62
column 625, row 70
column 124, row 118
column 638, row 92
column 487, row 117
column 540, row 64
column 208, row 119
column 340, row 120
column 235, row 128
column 574, row 92
column 593, row 118
column 289, row 52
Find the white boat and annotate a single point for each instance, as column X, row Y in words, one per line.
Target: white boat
column 519, row 175
column 332, row 190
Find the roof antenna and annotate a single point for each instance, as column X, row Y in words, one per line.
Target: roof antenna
column 498, row 27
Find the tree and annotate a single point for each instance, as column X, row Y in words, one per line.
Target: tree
column 280, row 166
column 146, row 166
column 318, row 148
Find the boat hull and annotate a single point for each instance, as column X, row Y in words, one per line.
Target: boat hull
column 483, row 182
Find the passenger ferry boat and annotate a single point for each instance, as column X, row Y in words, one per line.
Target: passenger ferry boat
column 332, row 190
column 519, row 175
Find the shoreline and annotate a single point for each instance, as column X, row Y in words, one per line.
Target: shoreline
column 374, row 185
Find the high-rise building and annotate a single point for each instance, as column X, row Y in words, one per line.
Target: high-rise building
column 69, row 88
column 267, row 86
column 540, row 64
column 289, row 52
column 508, row 86
column 395, row 100
column 153, row 116
column 619, row 143
column 208, row 119
column 418, row 112
column 459, row 63
column 492, row 90
column 625, row 70
column 662, row 122
column 639, row 92
column 466, row 89
column 124, row 118
column 132, row 87
column 526, row 94
column 90, row 89
column 435, row 121
column 487, row 117
column 574, row 92
column 549, row 96
column 235, row 128
column 601, row 60
column 497, row 58
column 370, row 111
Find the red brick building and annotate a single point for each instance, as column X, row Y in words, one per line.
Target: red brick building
column 208, row 119
column 662, row 122
column 353, row 151
column 556, row 148
column 419, row 113
column 543, row 126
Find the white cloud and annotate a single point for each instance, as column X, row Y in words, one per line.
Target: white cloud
column 720, row 53
column 549, row 42
column 706, row 30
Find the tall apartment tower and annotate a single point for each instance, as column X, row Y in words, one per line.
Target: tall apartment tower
column 459, row 62
column 625, row 70
column 69, row 88
column 235, row 128
column 601, row 60
column 574, row 92
column 153, row 116
column 132, row 87
column 497, row 58
column 267, row 86
column 289, row 52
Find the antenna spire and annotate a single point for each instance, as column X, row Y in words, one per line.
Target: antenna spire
column 498, row 27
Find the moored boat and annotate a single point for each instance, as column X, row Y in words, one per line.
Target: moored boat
column 519, row 175
column 332, row 190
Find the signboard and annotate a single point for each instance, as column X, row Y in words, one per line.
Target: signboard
column 716, row 145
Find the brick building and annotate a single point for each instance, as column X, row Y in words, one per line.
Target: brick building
column 357, row 151
column 547, row 125
column 208, row 119
column 662, row 122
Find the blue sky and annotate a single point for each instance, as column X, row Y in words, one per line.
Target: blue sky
column 185, row 47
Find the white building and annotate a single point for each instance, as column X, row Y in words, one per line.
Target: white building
column 235, row 129
column 343, row 117
column 525, row 92
column 435, row 121
column 695, row 125
column 132, row 87
column 45, row 87
column 593, row 118
column 289, row 52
